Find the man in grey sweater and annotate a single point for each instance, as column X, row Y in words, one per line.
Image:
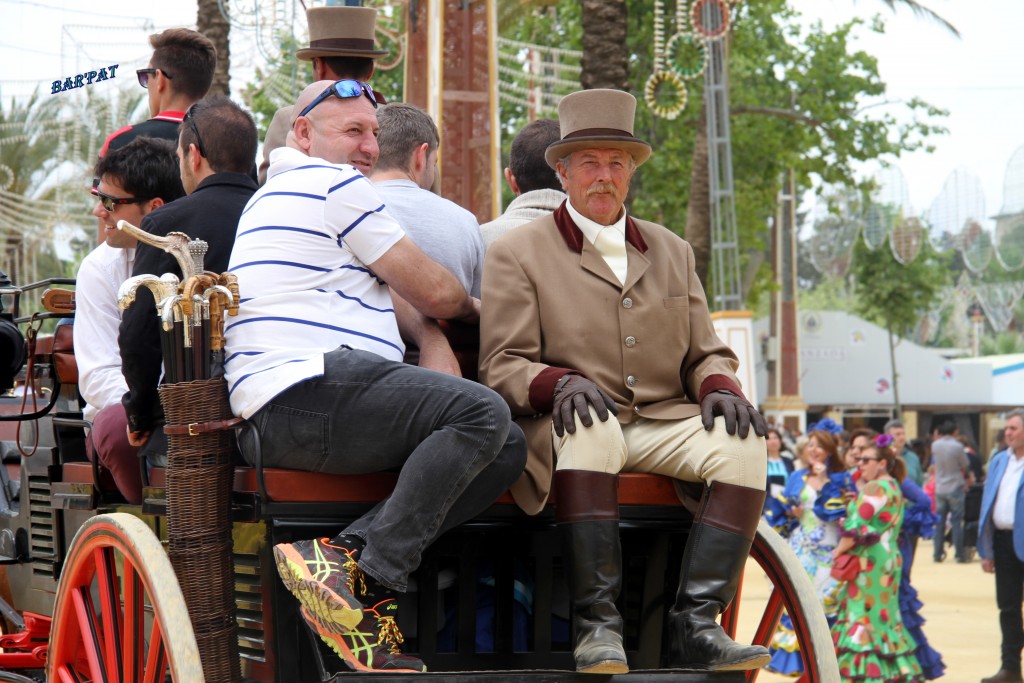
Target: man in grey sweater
column 537, row 188
column 403, row 176
column 950, row 462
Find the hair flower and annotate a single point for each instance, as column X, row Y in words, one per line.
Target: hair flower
column 883, row 440
column 826, row 424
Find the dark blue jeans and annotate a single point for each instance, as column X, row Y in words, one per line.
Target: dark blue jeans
column 452, row 440
column 951, row 504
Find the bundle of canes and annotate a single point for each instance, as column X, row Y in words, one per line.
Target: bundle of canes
column 200, row 466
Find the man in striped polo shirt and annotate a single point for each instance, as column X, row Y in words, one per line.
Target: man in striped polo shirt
column 330, row 288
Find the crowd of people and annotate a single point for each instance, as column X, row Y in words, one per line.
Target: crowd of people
column 597, row 356
column 872, row 497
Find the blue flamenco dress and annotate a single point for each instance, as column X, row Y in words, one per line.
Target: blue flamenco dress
column 812, row 539
column 918, row 521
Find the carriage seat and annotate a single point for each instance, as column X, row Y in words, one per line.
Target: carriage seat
column 295, row 486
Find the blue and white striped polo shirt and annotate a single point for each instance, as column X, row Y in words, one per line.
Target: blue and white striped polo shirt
column 301, row 253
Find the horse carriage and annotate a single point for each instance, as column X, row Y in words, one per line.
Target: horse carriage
column 90, row 592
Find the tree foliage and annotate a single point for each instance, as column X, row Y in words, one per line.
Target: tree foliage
column 801, row 99
column 895, row 295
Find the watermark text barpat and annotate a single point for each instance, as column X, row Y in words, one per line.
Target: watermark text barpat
column 81, row 80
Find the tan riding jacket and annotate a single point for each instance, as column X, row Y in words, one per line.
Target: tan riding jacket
column 552, row 305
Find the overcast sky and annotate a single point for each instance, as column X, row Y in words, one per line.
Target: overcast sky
column 978, row 77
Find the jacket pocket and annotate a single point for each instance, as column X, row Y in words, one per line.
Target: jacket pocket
column 676, row 302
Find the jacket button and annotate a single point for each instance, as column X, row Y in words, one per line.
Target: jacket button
column 631, row 381
column 627, row 303
column 630, row 341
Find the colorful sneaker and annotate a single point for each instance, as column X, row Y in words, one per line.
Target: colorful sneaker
column 324, row 577
column 374, row 644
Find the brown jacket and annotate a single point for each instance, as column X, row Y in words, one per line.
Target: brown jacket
column 552, row 305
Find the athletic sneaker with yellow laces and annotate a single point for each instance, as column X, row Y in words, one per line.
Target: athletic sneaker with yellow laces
column 374, row 644
column 323, row 575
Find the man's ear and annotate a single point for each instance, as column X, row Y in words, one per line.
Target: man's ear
column 512, row 182
column 303, row 132
column 156, row 203
column 194, row 159
column 561, row 172
column 419, row 158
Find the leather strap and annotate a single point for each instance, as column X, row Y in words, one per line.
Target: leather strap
column 197, row 428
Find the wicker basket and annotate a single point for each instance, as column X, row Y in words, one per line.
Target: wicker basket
column 199, row 479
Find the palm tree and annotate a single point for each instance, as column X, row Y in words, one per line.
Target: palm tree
column 48, row 146
column 212, row 23
column 605, row 56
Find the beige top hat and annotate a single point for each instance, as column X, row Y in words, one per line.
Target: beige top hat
column 341, row 32
column 595, row 119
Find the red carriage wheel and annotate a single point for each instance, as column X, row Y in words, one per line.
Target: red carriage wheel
column 793, row 592
column 119, row 613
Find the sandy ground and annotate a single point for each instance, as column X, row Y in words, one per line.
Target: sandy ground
column 959, row 606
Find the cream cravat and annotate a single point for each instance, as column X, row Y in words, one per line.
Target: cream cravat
column 611, row 244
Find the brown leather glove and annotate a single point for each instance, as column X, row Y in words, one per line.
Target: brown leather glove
column 737, row 413
column 574, row 394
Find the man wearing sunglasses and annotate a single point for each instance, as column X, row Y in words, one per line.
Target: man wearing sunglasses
column 178, row 75
column 216, row 148
column 133, row 181
column 341, row 46
column 331, row 288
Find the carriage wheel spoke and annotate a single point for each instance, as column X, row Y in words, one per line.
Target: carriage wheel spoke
column 134, row 622
column 110, row 614
column 156, row 662
column 769, row 620
column 89, row 631
column 66, row 675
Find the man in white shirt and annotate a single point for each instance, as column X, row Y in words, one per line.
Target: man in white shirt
column 331, row 289
column 133, row 180
column 1001, row 543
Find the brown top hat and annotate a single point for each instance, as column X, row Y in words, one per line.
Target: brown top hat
column 341, row 32
column 595, row 119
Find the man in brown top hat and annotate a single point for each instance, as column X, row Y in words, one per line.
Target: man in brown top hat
column 589, row 311
column 341, row 45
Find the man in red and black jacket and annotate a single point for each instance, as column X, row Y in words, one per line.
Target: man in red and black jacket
column 179, row 74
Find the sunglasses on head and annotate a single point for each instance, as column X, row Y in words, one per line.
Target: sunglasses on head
column 144, row 74
column 109, row 202
column 343, row 90
column 195, row 130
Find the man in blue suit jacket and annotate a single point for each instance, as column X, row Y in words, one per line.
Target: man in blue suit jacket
column 1001, row 543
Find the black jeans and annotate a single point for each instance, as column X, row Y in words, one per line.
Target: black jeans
column 453, row 441
column 1009, row 598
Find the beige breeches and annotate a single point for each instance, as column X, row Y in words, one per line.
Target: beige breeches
column 681, row 449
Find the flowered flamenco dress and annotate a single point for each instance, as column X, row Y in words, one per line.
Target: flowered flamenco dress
column 872, row 643
column 812, row 540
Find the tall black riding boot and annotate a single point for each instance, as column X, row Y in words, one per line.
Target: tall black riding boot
column 587, row 512
column 713, row 562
